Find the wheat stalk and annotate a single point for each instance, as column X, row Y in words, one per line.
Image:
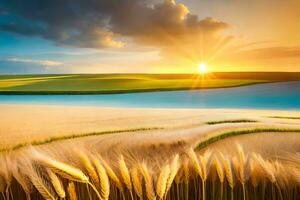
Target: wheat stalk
column 22, row 179
column 2, row 184
column 6, row 174
column 256, row 174
column 41, row 184
column 125, row 173
column 174, row 167
column 161, row 184
column 219, row 168
column 186, row 171
column 266, row 166
column 228, row 171
column 57, row 184
column 136, row 181
column 72, row 191
column 148, row 181
column 243, row 165
column 65, row 170
column 104, row 180
column 205, row 163
column 195, row 162
column 111, row 174
column 88, row 167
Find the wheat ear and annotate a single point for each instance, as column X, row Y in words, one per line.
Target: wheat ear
column 104, row 180
column 125, row 173
column 266, row 166
column 205, row 163
column 228, row 171
column 72, row 191
column 148, row 181
column 41, row 184
column 88, row 167
column 111, row 174
column 195, row 162
column 57, row 184
column 136, row 181
column 174, row 167
column 65, row 170
column 161, row 184
column 220, row 169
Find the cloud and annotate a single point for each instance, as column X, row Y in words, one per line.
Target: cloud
column 102, row 23
column 48, row 63
column 270, row 53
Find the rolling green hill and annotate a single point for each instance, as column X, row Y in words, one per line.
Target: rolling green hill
column 123, row 83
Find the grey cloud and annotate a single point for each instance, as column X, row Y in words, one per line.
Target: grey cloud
column 104, row 23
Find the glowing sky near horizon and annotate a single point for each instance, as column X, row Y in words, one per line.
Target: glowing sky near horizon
column 151, row 36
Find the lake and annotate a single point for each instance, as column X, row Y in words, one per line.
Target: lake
column 284, row 95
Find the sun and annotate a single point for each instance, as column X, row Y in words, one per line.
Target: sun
column 202, row 68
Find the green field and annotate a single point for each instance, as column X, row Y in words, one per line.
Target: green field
column 122, row 83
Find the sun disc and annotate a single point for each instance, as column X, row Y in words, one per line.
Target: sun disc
column 202, row 68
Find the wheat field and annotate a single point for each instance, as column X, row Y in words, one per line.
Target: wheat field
column 36, row 174
column 201, row 155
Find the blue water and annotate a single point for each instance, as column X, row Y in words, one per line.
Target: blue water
column 285, row 95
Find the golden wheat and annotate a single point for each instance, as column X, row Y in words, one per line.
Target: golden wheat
column 57, row 184
column 125, row 173
column 104, row 180
column 161, row 184
column 148, row 181
column 174, row 167
column 89, row 168
column 219, row 168
column 136, row 181
column 111, row 174
column 41, row 184
column 65, row 170
column 72, row 191
column 194, row 160
column 239, row 176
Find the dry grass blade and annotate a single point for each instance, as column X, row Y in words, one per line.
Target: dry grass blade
column 72, row 191
column 104, row 180
column 161, row 184
column 57, row 184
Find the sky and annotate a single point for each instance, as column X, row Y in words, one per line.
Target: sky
column 148, row 36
